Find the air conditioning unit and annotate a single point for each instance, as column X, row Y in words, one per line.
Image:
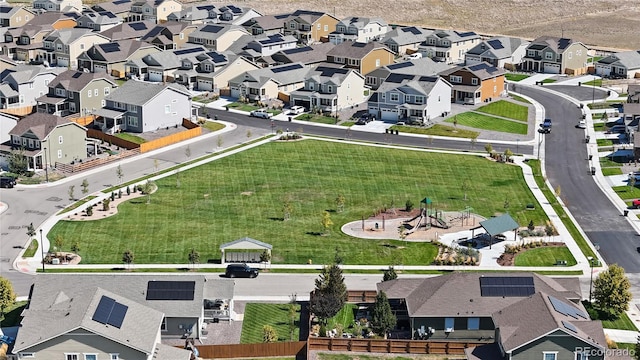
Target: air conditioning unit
column 55, row 261
column 448, row 330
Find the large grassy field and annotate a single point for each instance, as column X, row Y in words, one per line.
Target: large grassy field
column 480, row 121
column 248, row 191
column 506, row 109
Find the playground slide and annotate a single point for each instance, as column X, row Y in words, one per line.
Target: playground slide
column 415, row 227
column 440, row 223
column 413, row 218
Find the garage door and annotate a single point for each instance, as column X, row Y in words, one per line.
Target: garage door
column 235, row 93
column 63, row 62
column 389, row 114
column 552, row 68
column 305, row 104
column 99, row 68
column 155, row 76
column 205, row 85
column 603, row 70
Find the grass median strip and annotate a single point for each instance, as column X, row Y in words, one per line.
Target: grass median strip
column 485, row 122
column 438, row 130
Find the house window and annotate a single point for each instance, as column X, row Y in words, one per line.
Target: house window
column 30, row 85
column 292, row 25
column 46, row 83
column 326, row 28
column 474, row 81
column 311, row 86
column 60, row 92
column 72, row 107
column 89, row 93
column 21, row 99
column 69, row 356
column 96, row 92
column 90, row 356
column 81, row 46
column 26, row 355
column 570, row 53
column 353, row 62
column 372, row 80
column 167, row 109
column 548, row 55
column 71, row 95
column 60, row 139
column 455, row 79
column 531, row 53
column 448, row 324
column 319, row 26
column 163, row 326
column 377, row 62
column 330, row 89
column 114, row 356
column 582, row 356
column 107, row 90
column 30, row 143
column 394, row 97
column 473, row 323
column 103, row 103
column 495, row 88
column 132, row 121
column 338, row 60
column 547, row 355
column 131, row 108
column 419, row 99
column 181, row 36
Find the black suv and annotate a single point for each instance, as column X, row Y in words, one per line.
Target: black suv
column 545, row 127
column 240, row 270
column 7, row 182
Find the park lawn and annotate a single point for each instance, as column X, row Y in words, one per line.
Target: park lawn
column 256, row 315
column 346, row 317
column 12, row 314
column 545, row 256
column 213, row 126
column 611, row 171
column 317, row 118
column 485, row 122
column 519, row 98
column 247, row 201
column 129, row 137
column 437, row 130
column 506, row 109
column 515, row 77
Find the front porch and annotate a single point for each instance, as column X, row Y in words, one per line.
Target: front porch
column 413, row 114
column 466, row 94
column 109, row 121
column 53, row 105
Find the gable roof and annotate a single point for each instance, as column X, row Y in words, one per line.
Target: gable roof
column 26, row 73
column 481, row 70
column 558, row 45
column 410, row 84
column 499, row 47
column 51, row 17
column 231, row 245
column 282, row 74
column 628, row 59
column 192, row 13
column 498, row 225
column 6, row 11
column 360, row 22
column 39, row 124
column 117, row 51
column 77, row 80
column 102, row 17
column 424, row 66
column 68, row 35
column 214, row 31
column 406, row 35
column 116, row 6
column 128, row 30
column 308, row 16
column 266, row 22
column 355, row 50
column 306, row 55
column 141, row 92
column 440, row 296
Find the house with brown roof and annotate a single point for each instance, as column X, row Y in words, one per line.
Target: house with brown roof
column 265, row 25
column 308, row 55
column 169, row 35
column 120, row 8
column 211, row 71
column 194, row 14
column 15, row 16
column 62, row 47
column 218, row 37
column 310, row 26
column 111, row 57
column 128, row 30
column 474, row 84
column 23, row 43
column 98, row 20
column 47, row 139
column 448, row 46
column 153, row 10
column 267, row 83
column 554, row 55
column 365, row 57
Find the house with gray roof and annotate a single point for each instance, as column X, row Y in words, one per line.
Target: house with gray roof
column 156, row 11
column 404, row 39
column 265, row 84
column 23, row 84
column 358, row 29
column 15, row 16
column 270, row 44
column 554, row 55
column 330, row 89
column 25, row 43
column 500, row 51
column 422, row 66
column 264, row 25
column 235, row 15
column 58, row 5
column 47, row 139
column 625, row 65
column 118, row 7
column 212, row 70
column 139, row 106
column 309, row 27
column 413, row 99
column 129, row 30
column 162, row 66
column 309, row 55
column 112, row 57
column 76, row 92
column 169, row 35
column 218, row 37
column 98, row 20
column 448, row 45
column 91, row 323
column 474, row 84
column 194, row 14
column 62, row 47
column 364, row 57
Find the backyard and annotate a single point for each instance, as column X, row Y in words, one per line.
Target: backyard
column 308, row 175
column 257, row 315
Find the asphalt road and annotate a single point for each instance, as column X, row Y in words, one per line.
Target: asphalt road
column 567, row 166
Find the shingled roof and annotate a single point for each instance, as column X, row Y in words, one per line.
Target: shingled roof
column 355, row 50
column 39, row 124
column 77, row 80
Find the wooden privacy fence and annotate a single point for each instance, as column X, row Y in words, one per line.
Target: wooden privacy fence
column 366, row 296
column 225, row 92
column 88, row 164
column 390, row 346
column 194, row 130
column 97, row 134
column 21, row 111
column 280, row 349
column 82, row 120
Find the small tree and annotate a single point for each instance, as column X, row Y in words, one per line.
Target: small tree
column 292, row 314
column 508, row 154
column 75, row 247
column 31, row 231
column 128, row 191
column 611, row 291
column 194, row 257
column 549, row 230
column 408, row 205
column 389, row 274
column 337, row 257
column 326, row 221
column 147, row 189
column 488, row 148
column 265, row 257
column 466, row 185
column 269, row 334
column 89, row 210
column 119, row 173
column 58, row 242
column 18, row 163
column 128, row 257
column 120, row 194
column 85, row 187
column 7, row 296
column 330, row 294
column 286, row 209
column 105, row 204
column 113, row 196
column 531, row 226
column 402, row 232
column 72, row 188
column 455, row 121
column 340, row 200
column 382, row 319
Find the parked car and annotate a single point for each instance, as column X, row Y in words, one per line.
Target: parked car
column 545, row 127
column 7, row 182
column 240, row 270
column 296, row 110
column 414, row 56
column 365, row 119
column 635, row 204
column 581, row 124
column 261, row 113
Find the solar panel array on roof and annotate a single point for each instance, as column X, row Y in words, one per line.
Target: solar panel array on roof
column 298, row 50
column 234, row 9
column 188, row 51
column 271, row 39
column 211, row 29
column 110, row 47
column 507, row 286
column 205, row 7
column 286, row 68
column 480, row 66
column 358, row 44
column 138, row 26
column 398, row 78
column 400, row 65
column 171, row 290
column 563, row 43
column 566, row 309
column 110, row 312
column 216, row 57
column 330, row 71
column 155, row 31
column 537, row 47
column 76, row 75
column 118, row 2
column 283, row 16
column 496, row 44
column 465, row 34
column 5, row 9
column 428, row 78
column 412, row 29
column 569, row 326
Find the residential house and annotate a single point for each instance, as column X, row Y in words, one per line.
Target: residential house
column 414, row 99
column 234, row 15
column 217, row 37
column 475, row 83
column 421, row 66
column 98, row 21
column 624, row 65
column 47, row 139
column 308, row 55
column 6, row 63
column 271, row 44
column 193, row 15
column 633, row 93
column 212, row 71
column 330, row 89
column 76, row 92
column 128, row 30
column 501, row 51
column 310, row 26
column 155, row 11
column 23, row 84
column 169, row 35
column 56, row 20
column 92, row 323
column 448, row 45
column 139, row 106
column 24, row 43
column 406, row 39
column 58, row 5
column 120, row 8
column 365, row 57
column 7, row 122
column 265, row 25
column 265, row 84
column 162, row 66
column 15, row 16
column 543, row 326
column 358, row 29
column 553, row 55
column 111, row 57
column 62, row 47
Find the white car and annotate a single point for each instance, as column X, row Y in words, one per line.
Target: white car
column 296, row 110
column 261, row 113
column 581, row 124
column 414, row 56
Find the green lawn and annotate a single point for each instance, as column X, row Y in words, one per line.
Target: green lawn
column 317, row 118
column 594, row 59
column 31, row 250
column 248, row 107
column 596, row 82
column 438, row 130
column 485, row 122
column 621, row 323
column 548, row 81
column 345, row 317
column 77, row 204
column 627, row 192
column 599, row 127
column 203, row 99
column 506, row 109
column 129, row 137
column 519, row 98
column 515, row 77
column 604, row 142
column 545, row 256
column 247, row 201
column 256, row 315
column 606, row 162
column 347, row 123
column 213, row 126
column 12, row 314
column 611, row 171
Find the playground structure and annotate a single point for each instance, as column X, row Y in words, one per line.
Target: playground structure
column 432, row 217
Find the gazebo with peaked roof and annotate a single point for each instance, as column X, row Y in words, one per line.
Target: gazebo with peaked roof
column 245, row 250
column 499, row 224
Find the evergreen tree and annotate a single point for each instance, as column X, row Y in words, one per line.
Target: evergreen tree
column 382, row 319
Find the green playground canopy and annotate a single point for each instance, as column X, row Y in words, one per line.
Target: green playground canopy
column 499, row 224
column 425, row 201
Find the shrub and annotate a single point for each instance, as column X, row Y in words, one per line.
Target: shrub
column 89, row 210
column 408, row 206
column 105, row 205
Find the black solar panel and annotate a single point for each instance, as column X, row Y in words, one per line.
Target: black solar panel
column 188, row 51
column 216, row 57
column 138, row 26
column 566, row 309
column 569, row 326
column 286, row 68
column 205, row 7
column 110, row 312
column 480, row 66
column 110, row 47
column 330, row 71
column 234, row 9
column 283, row 16
column 428, row 78
column 412, row 29
column 563, row 43
column 297, row 50
column 506, row 286
column 76, row 75
column 401, row 65
column 171, row 290
column 118, row 2
column 155, row 31
column 398, row 78
column 211, row 29
column 465, row 34
column 496, row 44
column 5, row 9
column 271, row 39
column 358, row 44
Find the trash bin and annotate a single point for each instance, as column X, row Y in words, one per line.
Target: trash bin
column 397, row 132
column 626, row 212
column 581, row 105
column 593, row 170
column 289, row 118
column 377, row 227
column 386, row 131
column 587, row 139
column 590, row 157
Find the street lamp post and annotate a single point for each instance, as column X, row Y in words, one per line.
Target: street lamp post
column 42, row 250
column 590, row 258
column 46, row 166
